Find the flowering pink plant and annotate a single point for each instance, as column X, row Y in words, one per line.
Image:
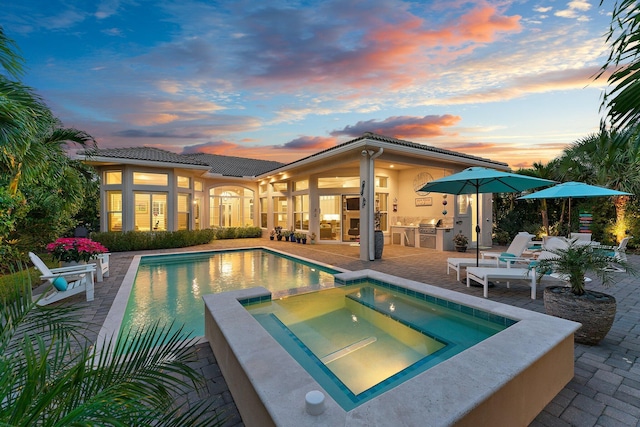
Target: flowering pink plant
column 77, row 249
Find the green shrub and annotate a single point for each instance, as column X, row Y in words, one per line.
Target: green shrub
column 145, row 240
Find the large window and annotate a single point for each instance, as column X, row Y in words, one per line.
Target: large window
column 280, row 212
column 263, row 212
column 280, row 186
column 231, row 207
column 183, row 211
column 382, row 211
column 183, row 182
column 330, row 214
column 114, row 210
column 301, row 185
column 197, row 203
column 301, row 212
column 150, row 211
column 144, row 178
column 113, row 177
column 339, row 182
column 382, row 182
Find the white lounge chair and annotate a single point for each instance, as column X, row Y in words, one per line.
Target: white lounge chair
column 77, row 279
column 458, row 264
column 102, row 266
column 619, row 253
column 518, row 245
column 586, row 237
column 484, row 275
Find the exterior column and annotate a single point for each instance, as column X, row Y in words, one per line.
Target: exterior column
column 366, row 206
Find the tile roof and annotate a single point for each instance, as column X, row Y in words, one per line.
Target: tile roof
column 224, row 165
column 235, row 166
column 424, row 147
column 241, row 166
column 145, row 153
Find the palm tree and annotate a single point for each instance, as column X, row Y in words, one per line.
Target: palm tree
column 31, row 137
column 548, row 171
column 622, row 99
column 49, row 375
column 31, row 140
column 609, row 159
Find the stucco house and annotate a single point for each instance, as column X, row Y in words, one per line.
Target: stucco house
column 342, row 194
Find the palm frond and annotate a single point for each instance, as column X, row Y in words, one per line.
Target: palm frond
column 620, row 101
column 49, row 376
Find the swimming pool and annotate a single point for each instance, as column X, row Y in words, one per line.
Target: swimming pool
column 361, row 340
column 170, row 287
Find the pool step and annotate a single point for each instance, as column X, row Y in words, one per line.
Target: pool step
column 331, row 357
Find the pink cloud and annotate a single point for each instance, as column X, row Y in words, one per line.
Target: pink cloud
column 515, row 155
column 403, row 127
column 379, row 46
column 483, row 23
column 228, row 148
column 314, row 143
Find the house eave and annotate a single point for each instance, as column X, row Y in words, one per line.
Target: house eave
column 114, row 161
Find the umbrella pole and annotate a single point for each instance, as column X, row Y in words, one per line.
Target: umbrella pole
column 477, row 226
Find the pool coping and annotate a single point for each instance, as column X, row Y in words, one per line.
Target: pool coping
column 111, row 326
column 512, row 375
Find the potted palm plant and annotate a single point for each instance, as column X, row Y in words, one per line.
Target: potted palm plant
column 595, row 310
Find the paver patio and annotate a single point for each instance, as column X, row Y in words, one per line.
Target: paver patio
column 605, row 390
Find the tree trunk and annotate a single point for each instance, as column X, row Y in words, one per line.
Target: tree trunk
column 545, row 216
column 620, row 203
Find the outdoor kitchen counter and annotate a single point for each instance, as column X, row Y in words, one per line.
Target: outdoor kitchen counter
column 444, row 239
column 404, row 235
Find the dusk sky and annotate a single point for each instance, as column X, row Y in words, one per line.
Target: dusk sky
column 279, row 80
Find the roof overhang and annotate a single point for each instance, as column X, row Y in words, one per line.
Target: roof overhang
column 352, row 151
column 112, row 161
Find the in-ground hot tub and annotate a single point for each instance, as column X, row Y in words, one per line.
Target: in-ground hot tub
column 506, row 378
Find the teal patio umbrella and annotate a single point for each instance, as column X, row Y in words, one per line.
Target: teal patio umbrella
column 476, row 180
column 569, row 190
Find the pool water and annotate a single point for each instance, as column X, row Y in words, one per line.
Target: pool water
column 359, row 341
column 169, row 288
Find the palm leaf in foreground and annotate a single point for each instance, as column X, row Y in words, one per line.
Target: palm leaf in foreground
column 51, row 376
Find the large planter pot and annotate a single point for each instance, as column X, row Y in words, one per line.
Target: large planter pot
column 378, row 243
column 461, row 248
column 594, row 310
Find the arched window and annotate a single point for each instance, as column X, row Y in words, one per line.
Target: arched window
column 231, row 207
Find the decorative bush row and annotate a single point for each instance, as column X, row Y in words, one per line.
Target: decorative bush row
column 145, row 240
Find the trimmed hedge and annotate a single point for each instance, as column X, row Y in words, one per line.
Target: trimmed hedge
column 146, row 240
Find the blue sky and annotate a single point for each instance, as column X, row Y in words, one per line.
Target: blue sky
column 279, row 80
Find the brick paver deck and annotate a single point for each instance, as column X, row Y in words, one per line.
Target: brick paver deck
column 605, row 390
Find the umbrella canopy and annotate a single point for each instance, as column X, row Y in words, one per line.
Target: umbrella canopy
column 476, row 180
column 568, row 190
column 484, row 180
column 573, row 189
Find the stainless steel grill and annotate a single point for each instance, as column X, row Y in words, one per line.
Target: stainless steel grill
column 427, row 232
column 427, row 227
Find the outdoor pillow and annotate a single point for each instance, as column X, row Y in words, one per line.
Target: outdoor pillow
column 504, row 256
column 60, row 283
column 534, row 264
